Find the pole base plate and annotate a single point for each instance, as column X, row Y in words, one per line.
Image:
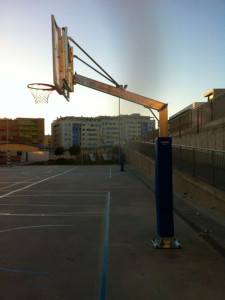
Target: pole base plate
column 166, row 243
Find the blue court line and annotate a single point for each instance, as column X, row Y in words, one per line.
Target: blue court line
column 104, row 267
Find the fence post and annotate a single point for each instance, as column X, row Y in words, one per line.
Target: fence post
column 8, row 159
column 213, row 169
column 198, row 120
column 193, row 156
column 180, row 164
column 212, row 110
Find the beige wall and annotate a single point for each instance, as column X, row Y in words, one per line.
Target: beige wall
column 211, row 136
column 182, row 182
column 36, row 156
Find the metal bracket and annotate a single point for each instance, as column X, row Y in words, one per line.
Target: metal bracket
column 166, row 243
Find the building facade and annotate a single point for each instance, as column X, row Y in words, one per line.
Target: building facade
column 101, row 131
column 22, row 130
column 48, row 140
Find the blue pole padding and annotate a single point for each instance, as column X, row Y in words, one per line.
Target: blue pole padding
column 164, row 187
column 122, row 159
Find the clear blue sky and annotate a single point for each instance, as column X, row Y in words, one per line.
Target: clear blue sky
column 168, row 50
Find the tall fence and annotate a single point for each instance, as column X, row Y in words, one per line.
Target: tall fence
column 205, row 164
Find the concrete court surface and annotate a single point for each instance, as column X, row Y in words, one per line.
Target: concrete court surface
column 84, row 232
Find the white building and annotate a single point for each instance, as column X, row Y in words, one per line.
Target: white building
column 100, row 131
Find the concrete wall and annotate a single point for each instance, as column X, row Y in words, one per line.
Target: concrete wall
column 211, row 136
column 182, row 182
column 34, row 156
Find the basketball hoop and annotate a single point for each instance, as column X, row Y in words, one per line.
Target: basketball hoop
column 41, row 92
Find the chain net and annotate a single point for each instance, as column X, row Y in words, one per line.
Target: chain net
column 40, row 92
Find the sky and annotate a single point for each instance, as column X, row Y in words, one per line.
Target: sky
column 168, row 50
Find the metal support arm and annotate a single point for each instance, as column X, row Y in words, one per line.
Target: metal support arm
column 129, row 96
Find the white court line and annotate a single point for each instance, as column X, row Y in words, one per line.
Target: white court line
column 34, row 226
column 110, row 173
column 48, row 205
column 53, row 214
column 19, row 182
column 26, row 187
column 100, row 193
column 16, row 182
column 56, row 195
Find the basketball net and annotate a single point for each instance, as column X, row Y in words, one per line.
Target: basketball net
column 41, row 92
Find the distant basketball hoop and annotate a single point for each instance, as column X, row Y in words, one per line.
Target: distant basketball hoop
column 41, row 92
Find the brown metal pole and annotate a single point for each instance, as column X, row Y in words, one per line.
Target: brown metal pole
column 129, row 96
column 163, row 122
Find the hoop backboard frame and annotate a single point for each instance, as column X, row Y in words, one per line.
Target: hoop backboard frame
column 62, row 60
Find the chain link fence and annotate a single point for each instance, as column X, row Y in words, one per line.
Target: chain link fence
column 205, row 164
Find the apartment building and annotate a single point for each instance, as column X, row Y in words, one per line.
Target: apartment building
column 22, row 130
column 100, row 131
column 48, row 140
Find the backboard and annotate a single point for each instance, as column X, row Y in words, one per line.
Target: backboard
column 62, row 60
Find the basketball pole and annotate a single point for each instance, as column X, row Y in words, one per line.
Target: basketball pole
column 163, row 163
column 65, row 79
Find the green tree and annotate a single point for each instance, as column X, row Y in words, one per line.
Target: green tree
column 59, row 151
column 74, row 150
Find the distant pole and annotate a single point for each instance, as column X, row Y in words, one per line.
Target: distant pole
column 81, row 154
column 119, row 123
column 44, row 149
column 7, row 135
column 121, row 150
column 122, row 159
column 119, row 132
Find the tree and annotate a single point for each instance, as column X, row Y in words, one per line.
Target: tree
column 74, row 150
column 59, row 151
column 116, row 150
